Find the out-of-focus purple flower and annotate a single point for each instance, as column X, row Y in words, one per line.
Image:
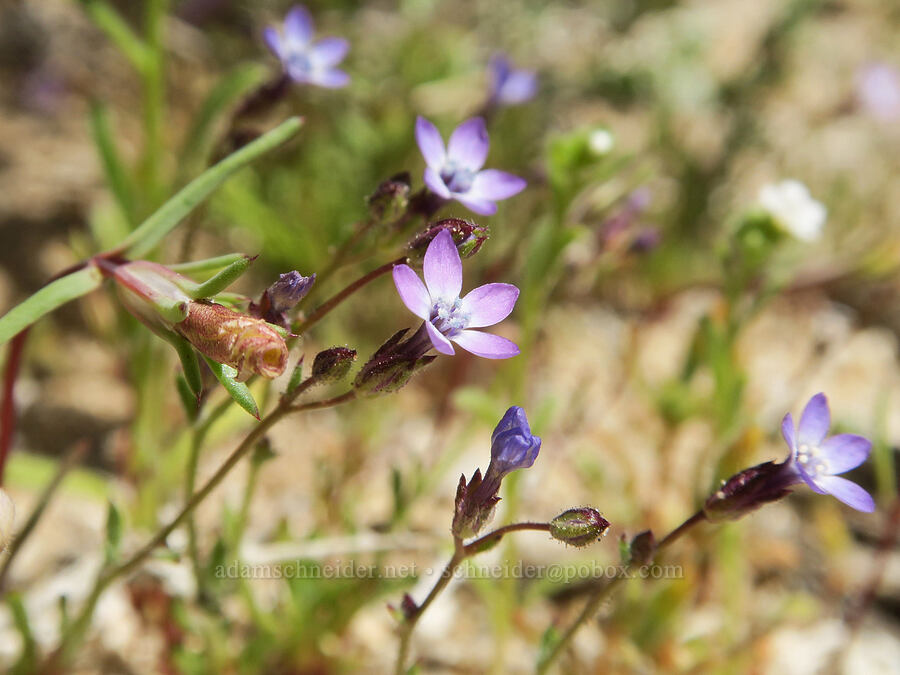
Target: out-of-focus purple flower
column 508, row 85
column 512, row 444
column 878, row 90
column 449, row 317
column 454, row 171
column 818, row 460
column 304, row 60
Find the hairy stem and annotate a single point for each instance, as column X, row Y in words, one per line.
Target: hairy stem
column 79, row 625
column 600, row 594
column 460, row 553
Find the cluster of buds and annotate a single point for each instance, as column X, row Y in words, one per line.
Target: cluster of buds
column 512, row 447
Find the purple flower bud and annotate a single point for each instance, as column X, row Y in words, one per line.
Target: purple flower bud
column 748, row 490
column 282, row 296
column 394, row 363
column 333, row 364
column 579, row 527
column 467, row 236
column 512, row 444
column 290, row 289
column 512, row 447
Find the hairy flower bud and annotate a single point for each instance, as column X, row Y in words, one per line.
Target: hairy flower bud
column 390, row 199
column 7, row 520
column 642, row 549
column 748, row 490
column 250, row 345
column 579, row 527
column 333, row 364
column 467, row 236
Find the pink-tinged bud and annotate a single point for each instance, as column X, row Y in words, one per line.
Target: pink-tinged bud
column 467, row 236
column 333, row 364
column 579, row 527
column 250, row 345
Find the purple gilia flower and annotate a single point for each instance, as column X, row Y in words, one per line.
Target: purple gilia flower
column 512, row 444
column 508, row 85
column 449, row 317
column 455, row 172
column 817, row 460
column 305, row 61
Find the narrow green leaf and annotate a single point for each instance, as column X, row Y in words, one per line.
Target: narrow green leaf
column 110, row 22
column 116, row 174
column 113, row 533
column 207, row 265
column 28, row 658
column 51, row 296
column 229, row 89
column 222, row 280
column 187, row 397
column 296, row 377
column 237, row 390
column 189, row 364
column 151, row 231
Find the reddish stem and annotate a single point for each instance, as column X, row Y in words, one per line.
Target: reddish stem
column 8, row 409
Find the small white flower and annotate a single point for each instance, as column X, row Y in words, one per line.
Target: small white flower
column 601, row 142
column 790, row 204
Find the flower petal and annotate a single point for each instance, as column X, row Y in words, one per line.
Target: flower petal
column 412, row 291
column 430, row 143
column 436, row 184
column 298, row 26
column 483, row 207
column 468, row 145
column 844, row 452
column 329, row 52
column 489, row 304
column 330, row 79
column 443, row 268
column 273, row 41
column 494, row 185
column 813, row 484
column 486, row 345
column 787, row 430
column 519, row 86
column 440, row 343
column 814, row 421
column 848, row 492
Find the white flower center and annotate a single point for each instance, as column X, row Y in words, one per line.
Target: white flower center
column 448, row 318
column 457, row 178
column 810, row 458
column 299, row 61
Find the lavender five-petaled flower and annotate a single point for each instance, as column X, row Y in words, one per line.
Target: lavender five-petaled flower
column 817, row 460
column 512, row 444
column 508, row 85
column 449, row 317
column 455, row 172
column 305, row 61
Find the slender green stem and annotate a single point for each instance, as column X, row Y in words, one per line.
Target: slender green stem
column 43, row 501
column 337, row 299
column 460, row 553
column 79, row 625
column 597, row 596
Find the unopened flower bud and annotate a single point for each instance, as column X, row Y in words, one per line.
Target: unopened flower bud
column 7, row 520
column 642, row 549
column 579, row 527
column 333, row 364
column 748, row 490
column 290, row 289
column 390, row 199
column 248, row 344
column 467, row 236
column 394, row 363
